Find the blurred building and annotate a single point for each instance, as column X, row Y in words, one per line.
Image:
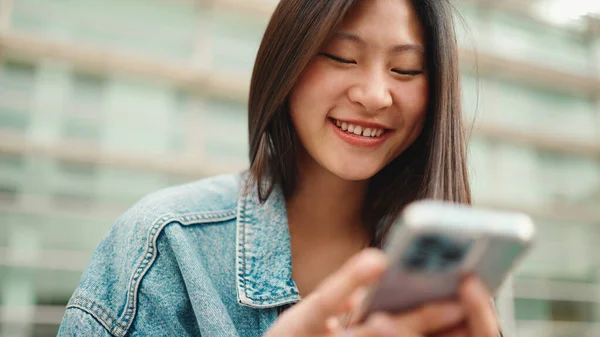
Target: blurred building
column 104, row 101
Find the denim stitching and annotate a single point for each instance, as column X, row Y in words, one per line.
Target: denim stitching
column 197, row 218
column 96, row 310
column 241, row 235
column 148, row 259
column 241, row 254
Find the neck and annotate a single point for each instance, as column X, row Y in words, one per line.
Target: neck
column 325, row 207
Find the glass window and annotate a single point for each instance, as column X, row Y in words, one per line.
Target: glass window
column 14, row 119
column 554, row 310
column 74, row 185
column 6, row 222
column 83, row 170
column 470, row 24
column 12, row 161
column 503, row 172
column 226, row 132
column 9, row 193
column 179, row 120
column 17, row 81
column 76, row 234
column 596, row 49
column 568, row 179
column 55, row 287
column 11, row 166
column 564, row 250
column 513, row 173
column 38, row 175
column 236, row 40
column 83, row 115
column 120, row 186
column 138, row 117
column 81, row 130
column 17, row 75
column 87, row 95
column 521, row 107
column 531, row 309
column 45, row 329
column 76, row 200
column 57, row 233
column 519, row 37
column 570, row 311
column 477, row 95
column 154, row 27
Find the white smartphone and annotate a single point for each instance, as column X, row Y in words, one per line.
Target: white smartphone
column 433, row 245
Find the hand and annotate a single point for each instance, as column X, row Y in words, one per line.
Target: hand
column 481, row 316
column 317, row 315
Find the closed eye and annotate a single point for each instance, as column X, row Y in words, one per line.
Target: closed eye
column 407, row 72
column 338, row 59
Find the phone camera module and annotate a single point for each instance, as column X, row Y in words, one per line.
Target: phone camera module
column 435, row 253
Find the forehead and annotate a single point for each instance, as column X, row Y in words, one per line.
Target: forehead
column 385, row 22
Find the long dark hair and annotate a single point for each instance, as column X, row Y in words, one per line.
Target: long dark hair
column 433, row 167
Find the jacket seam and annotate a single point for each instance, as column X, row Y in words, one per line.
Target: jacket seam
column 205, row 217
column 243, row 218
column 150, row 254
column 241, row 252
column 94, row 309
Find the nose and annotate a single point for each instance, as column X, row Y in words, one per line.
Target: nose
column 371, row 92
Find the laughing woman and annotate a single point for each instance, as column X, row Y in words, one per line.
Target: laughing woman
column 354, row 112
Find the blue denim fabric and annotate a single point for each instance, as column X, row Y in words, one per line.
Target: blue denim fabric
column 202, row 259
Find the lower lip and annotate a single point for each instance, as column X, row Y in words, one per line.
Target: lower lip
column 357, row 140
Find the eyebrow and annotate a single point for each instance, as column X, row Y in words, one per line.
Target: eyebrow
column 408, row 47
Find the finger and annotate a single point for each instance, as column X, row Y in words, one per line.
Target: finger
column 335, row 292
column 459, row 331
column 481, row 316
column 357, row 298
column 354, row 304
column 378, row 325
column 464, row 332
column 433, row 318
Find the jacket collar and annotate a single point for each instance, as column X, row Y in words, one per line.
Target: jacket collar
column 263, row 256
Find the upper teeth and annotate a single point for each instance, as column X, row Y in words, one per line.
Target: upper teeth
column 359, row 130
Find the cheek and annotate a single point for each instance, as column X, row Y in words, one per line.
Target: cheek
column 307, row 88
column 306, row 100
column 314, row 95
column 413, row 99
column 318, row 85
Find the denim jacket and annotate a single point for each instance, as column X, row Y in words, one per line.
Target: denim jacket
column 202, row 259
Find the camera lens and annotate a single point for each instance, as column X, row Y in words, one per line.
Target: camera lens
column 453, row 254
column 435, row 253
column 416, row 261
column 429, row 242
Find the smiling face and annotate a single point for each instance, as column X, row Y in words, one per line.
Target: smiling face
column 362, row 100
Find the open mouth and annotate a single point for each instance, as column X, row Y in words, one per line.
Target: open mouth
column 358, row 130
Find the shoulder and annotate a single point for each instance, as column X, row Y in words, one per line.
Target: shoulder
column 210, row 200
column 210, row 195
column 131, row 248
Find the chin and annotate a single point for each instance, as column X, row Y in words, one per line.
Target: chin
column 353, row 172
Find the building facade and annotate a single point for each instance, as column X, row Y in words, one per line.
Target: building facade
column 104, row 101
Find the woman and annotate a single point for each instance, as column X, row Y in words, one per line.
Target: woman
column 354, row 112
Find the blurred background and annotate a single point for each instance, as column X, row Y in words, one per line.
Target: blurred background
column 103, row 101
